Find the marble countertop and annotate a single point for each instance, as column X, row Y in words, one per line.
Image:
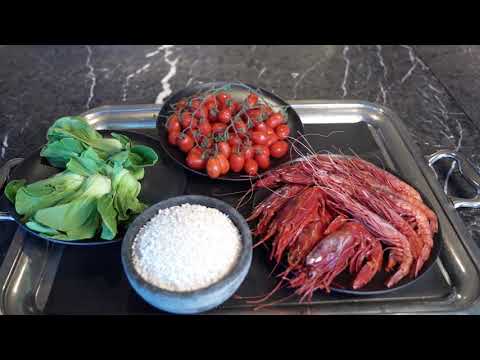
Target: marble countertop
column 432, row 88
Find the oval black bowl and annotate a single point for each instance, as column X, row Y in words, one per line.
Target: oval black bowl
column 189, row 302
column 161, row 181
column 343, row 282
column 239, row 91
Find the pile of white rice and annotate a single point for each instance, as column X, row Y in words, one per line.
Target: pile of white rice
column 186, row 248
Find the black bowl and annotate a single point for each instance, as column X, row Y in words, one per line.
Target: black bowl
column 238, row 91
column 189, row 302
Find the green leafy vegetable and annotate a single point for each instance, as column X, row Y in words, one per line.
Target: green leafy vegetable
column 12, row 188
column 88, row 163
column 76, row 127
column 78, row 218
column 59, row 152
column 45, row 193
column 98, row 189
column 108, row 215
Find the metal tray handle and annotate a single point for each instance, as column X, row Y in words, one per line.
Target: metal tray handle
column 4, row 172
column 468, row 171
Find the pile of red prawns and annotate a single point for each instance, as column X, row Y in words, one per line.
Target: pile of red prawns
column 330, row 213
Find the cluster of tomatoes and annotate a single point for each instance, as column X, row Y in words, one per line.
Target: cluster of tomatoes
column 219, row 134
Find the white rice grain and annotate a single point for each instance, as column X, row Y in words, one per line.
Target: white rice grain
column 186, row 248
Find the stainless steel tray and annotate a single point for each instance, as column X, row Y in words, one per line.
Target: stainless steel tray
column 32, row 267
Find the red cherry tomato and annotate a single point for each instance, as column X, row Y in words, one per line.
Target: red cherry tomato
column 201, row 113
column 263, row 161
column 224, row 164
column 259, row 137
column 252, row 114
column 261, row 126
column 240, row 126
column 279, row 149
column 224, row 116
column 266, row 110
column 213, row 168
column 173, row 124
column 196, row 150
column 274, row 120
column 272, row 138
column 188, row 120
column 236, row 107
column 282, row 131
column 172, row 137
column 222, row 99
column 204, row 127
column 210, row 101
column 269, row 130
column 251, row 167
column 185, row 142
column 195, row 160
column 224, row 148
column 195, row 104
column 237, row 161
column 261, row 150
column 213, row 115
column 252, row 99
column 248, row 152
column 205, row 142
column 218, row 127
column 234, row 140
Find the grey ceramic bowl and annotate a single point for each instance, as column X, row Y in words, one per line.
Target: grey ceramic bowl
column 197, row 301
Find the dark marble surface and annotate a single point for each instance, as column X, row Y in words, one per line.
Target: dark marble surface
column 40, row 83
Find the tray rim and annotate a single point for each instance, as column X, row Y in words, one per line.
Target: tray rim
column 464, row 304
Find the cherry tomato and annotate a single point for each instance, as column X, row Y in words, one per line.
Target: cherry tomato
column 272, row 138
column 173, row 124
column 224, row 116
column 185, row 142
column 201, row 113
column 213, row 115
column 261, row 150
column 261, row 126
column 213, row 168
column 195, row 160
column 252, row 114
column 240, row 126
column 250, row 167
column 266, row 110
column 224, row 164
column 236, row 107
column 210, row 101
column 248, row 152
column 263, row 161
column 234, row 140
column 205, row 142
column 195, row 104
column 237, row 160
column 188, row 120
column 274, row 120
column 269, row 130
column 218, row 127
column 279, row 149
column 172, row 137
column 196, row 150
column 282, row 131
column 259, row 137
column 222, row 99
column 204, row 127
column 252, row 99
column 224, row 148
